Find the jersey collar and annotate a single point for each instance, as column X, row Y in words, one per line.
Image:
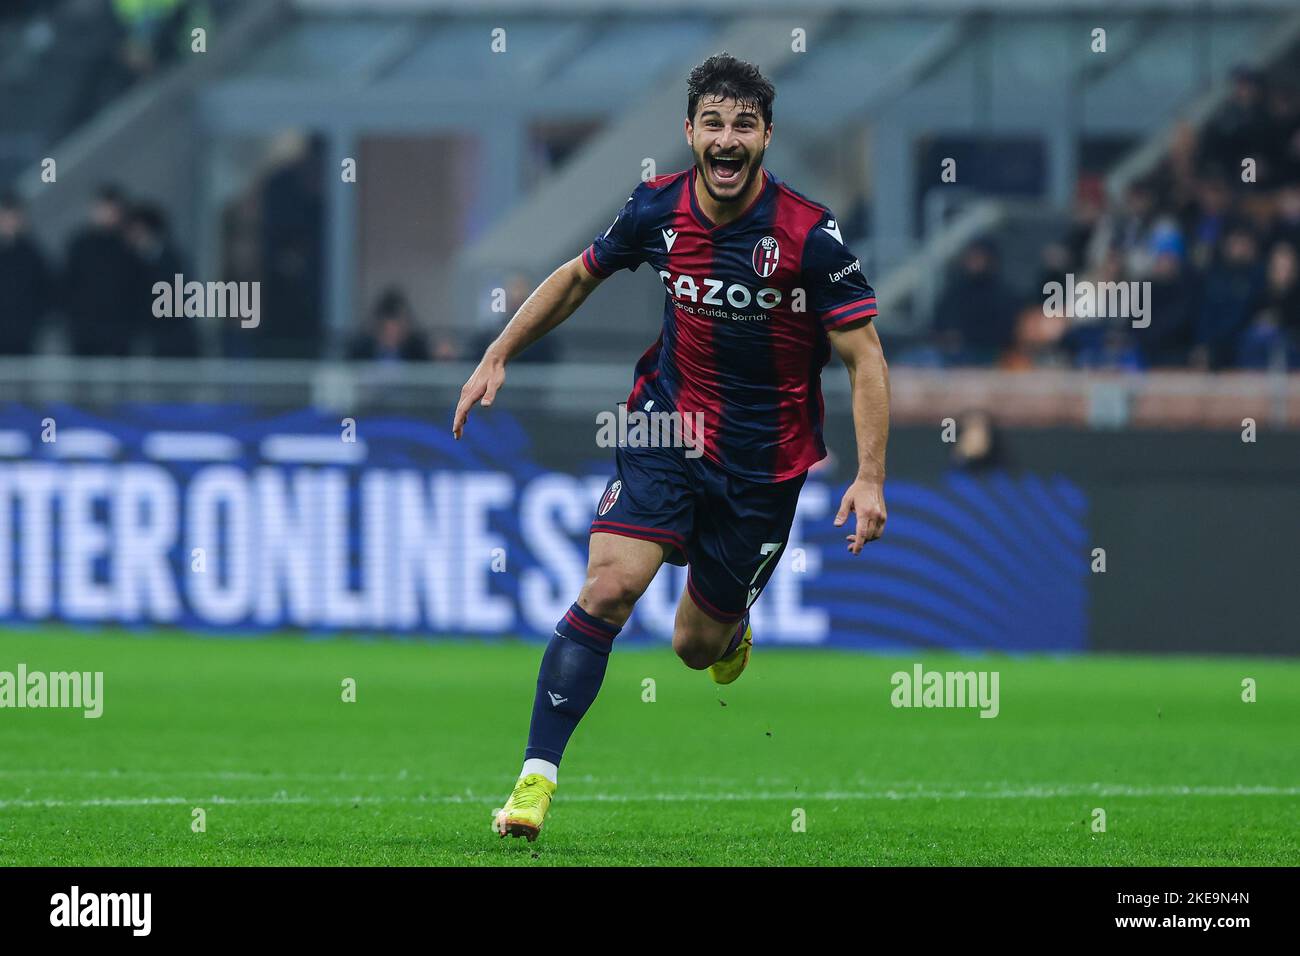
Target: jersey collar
column 708, row 223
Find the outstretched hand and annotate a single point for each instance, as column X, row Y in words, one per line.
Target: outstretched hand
column 866, row 499
column 482, row 387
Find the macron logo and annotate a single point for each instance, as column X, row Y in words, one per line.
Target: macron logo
column 833, row 228
column 555, row 701
column 670, row 236
column 615, row 222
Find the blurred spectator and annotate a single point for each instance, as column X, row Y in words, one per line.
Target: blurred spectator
column 1258, row 212
column 1284, row 136
column 517, row 288
column 1168, row 339
column 978, row 447
column 133, row 38
column 155, row 31
column 1056, row 260
column 1038, row 340
column 1288, row 172
column 292, row 253
column 392, row 336
column 1129, row 231
column 1231, row 287
column 1240, row 128
column 24, row 280
column 100, row 283
column 1208, row 219
column 159, row 261
column 977, row 313
column 1275, row 315
column 1089, row 210
column 142, row 22
column 1117, row 351
column 1038, row 335
column 1181, row 171
column 1104, row 342
column 1286, row 226
column 446, row 350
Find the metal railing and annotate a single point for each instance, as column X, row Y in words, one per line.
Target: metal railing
column 1047, row 398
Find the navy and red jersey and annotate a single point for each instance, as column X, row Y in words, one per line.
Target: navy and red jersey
column 746, row 317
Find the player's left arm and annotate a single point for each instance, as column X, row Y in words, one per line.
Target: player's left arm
column 869, row 380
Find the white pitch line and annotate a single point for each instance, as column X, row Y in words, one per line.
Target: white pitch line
column 1028, row 793
column 341, row 777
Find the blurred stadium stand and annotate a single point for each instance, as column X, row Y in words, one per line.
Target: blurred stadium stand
column 481, row 171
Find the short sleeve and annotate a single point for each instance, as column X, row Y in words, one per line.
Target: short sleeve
column 838, row 293
column 618, row 246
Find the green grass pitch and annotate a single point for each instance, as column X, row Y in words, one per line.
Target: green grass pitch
column 255, row 732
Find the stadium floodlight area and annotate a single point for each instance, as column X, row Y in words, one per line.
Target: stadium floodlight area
column 351, row 72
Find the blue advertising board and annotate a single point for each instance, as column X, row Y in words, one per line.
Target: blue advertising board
column 233, row 518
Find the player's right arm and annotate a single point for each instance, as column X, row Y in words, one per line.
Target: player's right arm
column 550, row 304
column 618, row 247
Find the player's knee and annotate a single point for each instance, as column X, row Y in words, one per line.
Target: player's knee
column 609, row 595
column 695, row 653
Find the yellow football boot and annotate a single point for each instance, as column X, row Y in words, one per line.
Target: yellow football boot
column 730, row 667
column 526, row 809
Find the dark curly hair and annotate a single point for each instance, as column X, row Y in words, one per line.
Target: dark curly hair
column 722, row 75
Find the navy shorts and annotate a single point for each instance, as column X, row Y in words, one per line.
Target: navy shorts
column 729, row 530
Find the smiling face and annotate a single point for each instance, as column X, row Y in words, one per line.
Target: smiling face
column 728, row 140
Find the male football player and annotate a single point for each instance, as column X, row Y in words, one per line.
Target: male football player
column 760, row 288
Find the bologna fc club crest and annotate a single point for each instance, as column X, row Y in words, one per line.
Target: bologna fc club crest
column 766, row 255
column 611, row 496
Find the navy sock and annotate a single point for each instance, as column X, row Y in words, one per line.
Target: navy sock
column 573, row 668
column 735, row 638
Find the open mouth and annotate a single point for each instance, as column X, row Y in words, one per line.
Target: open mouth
column 726, row 170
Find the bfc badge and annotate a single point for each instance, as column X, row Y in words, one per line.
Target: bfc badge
column 766, row 256
column 611, row 496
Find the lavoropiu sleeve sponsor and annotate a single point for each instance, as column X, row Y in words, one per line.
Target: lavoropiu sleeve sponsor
column 618, row 246
column 838, row 293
